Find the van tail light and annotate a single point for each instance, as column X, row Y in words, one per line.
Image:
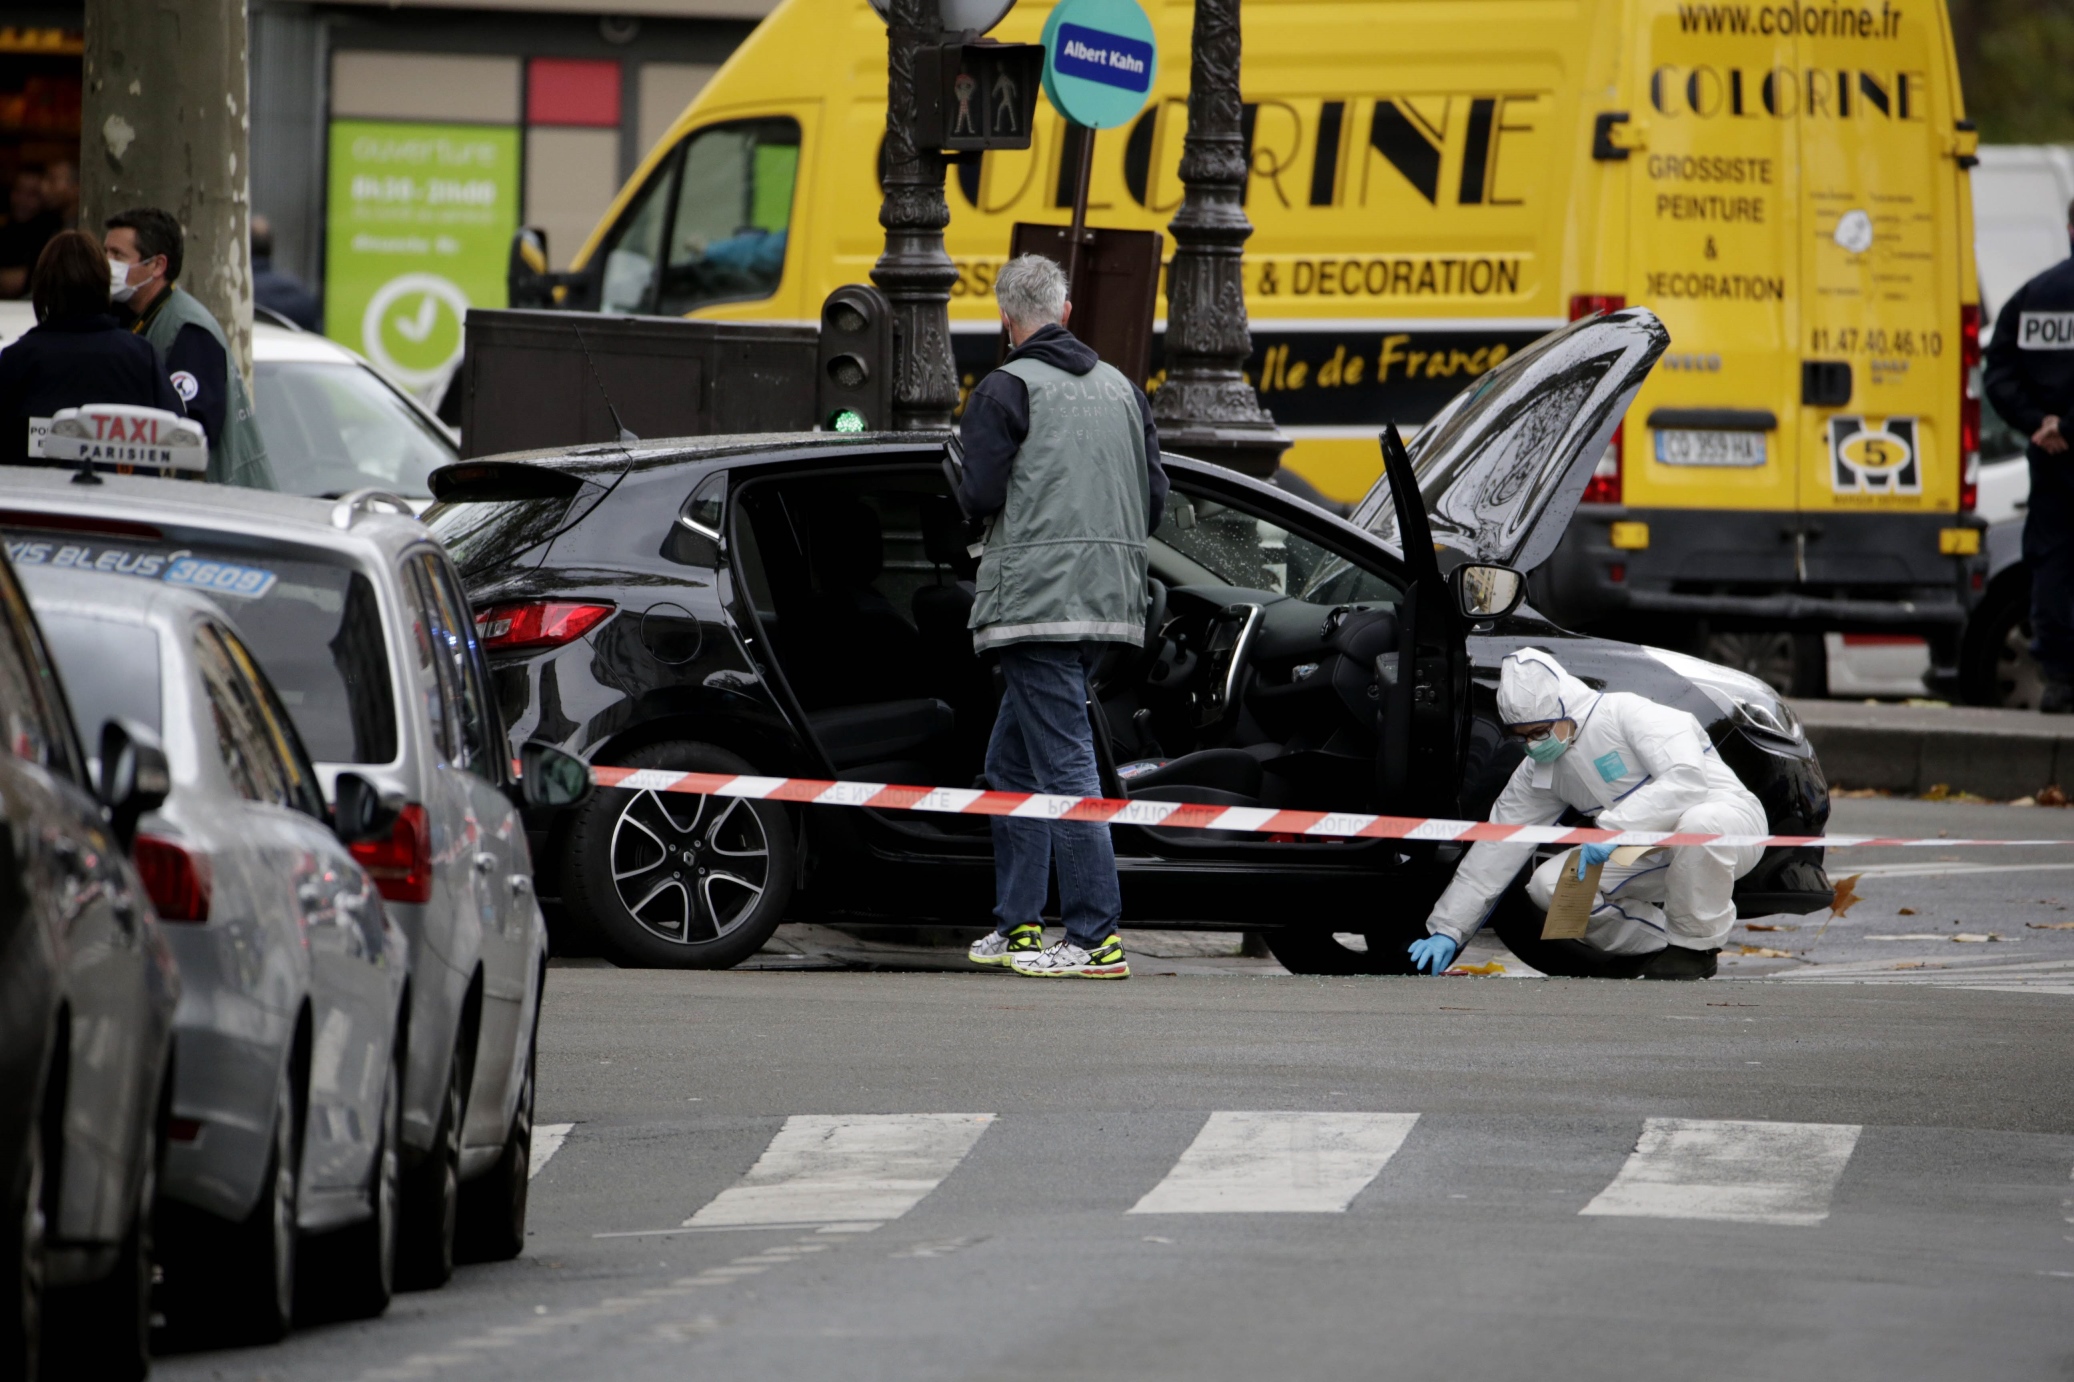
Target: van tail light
column 1604, row 487
column 1969, row 406
column 537, row 624
column 175, row 878
column 401, row 866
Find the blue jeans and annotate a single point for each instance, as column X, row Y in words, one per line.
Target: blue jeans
column 1042, row 742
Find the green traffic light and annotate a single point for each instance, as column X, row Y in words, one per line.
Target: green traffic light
column 846, row 420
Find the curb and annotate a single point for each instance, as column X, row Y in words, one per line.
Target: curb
column 2000, row 754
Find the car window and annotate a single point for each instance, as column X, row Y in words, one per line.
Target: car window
column 311, row 617
column 331, row 427
column 248, row 753
column 470, row 680
column 733, row 212
column 636, row 243
column 33, row 713
column 305, row 792
column 1247, row 550
column 443, row 639
column 111, row 670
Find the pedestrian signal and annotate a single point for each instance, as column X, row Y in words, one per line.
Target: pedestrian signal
column 974, row 96
column 854, row 385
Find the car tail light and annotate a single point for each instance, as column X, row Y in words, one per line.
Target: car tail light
column 1969, row 406
column 537, row 624
column 401, row 866
column 1604, row 487
column 176, row 879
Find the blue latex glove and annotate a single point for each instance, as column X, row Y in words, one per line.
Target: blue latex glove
column 1437, row 949
column 1587, row 855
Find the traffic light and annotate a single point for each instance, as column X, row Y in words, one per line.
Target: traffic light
column 972, row 96
column 854, row 385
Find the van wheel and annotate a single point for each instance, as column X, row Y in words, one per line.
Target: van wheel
column 1313, row 951
column 431, row 1197
column 670, row 881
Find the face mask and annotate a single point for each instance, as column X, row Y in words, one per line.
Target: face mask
column 119, row 281
column 1547, row 750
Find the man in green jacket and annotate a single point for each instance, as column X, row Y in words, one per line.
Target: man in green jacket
column 145, row 252
column 1061, row 459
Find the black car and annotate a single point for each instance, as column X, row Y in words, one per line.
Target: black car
column 87, row 991
column 796, row 606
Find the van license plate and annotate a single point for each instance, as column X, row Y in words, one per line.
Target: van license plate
column 1684, row 447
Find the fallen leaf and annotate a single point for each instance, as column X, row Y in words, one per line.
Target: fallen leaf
column 1486, row 970
column 2025, row 801
column 1759, row 926
column 1938, row 792
column 1846, row 895
column 1764, row 952
column 1906, row 912
column 1911, row 964
column 2052, row 796
column 2050, row 925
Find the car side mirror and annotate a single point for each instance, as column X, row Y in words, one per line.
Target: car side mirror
column 361, row 811
column 527, row 280
column 551, row 777
column 1484, row 593
column 134, row 777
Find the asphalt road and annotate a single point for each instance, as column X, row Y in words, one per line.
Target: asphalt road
column 1220, row 1171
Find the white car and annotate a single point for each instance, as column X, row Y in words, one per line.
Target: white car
column 331, row 421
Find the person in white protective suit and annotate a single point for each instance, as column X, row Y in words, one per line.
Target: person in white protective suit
column 1634, row 765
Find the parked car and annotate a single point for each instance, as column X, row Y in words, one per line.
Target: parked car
column 331, row 421
column 289, row 1034
column 358, row 620
column 86, row 1028
column 797, row 606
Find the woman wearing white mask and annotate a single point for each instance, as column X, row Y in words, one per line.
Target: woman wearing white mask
column 1634, row 765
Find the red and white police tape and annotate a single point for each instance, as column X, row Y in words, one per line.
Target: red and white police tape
column 1331, row 825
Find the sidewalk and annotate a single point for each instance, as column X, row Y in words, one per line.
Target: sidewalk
column 2000, row 754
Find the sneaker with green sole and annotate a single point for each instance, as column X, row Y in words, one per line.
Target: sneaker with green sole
column 1068, row 961
column 997, row 949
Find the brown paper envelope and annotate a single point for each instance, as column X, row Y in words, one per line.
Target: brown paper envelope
column 1570, row 910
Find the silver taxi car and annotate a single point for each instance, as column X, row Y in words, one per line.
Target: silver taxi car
column 358, row 620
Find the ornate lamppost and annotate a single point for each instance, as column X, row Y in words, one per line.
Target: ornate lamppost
column 1205, row 407
column 915, row 272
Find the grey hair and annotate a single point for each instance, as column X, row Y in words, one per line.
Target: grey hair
column 1031, row 290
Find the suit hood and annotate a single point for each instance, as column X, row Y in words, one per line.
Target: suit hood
column 1533, row 687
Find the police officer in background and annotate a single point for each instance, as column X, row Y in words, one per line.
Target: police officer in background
column 2030, row 381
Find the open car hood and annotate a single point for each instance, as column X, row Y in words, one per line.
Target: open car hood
column 1503, row 465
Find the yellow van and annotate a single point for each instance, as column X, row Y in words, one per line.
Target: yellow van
column 1433, row 184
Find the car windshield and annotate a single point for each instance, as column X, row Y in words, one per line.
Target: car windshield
column 311, row 617
column 1243, row 549
column 110, row 669
column 336, row 426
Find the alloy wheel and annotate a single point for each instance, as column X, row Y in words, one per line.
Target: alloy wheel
column 689, row 869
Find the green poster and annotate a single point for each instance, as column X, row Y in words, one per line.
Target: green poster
column 419, row 231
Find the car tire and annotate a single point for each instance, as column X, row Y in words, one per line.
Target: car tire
column 1307, row 950
column 241, row 1288
column 1995, row 662
column 670, row 881
column 493, row 1205
column 22, row 1273
column 350, row 1274
column 103, row 1330
column 431, row 1199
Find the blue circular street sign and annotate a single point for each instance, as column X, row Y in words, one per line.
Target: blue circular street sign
column 1099, row 61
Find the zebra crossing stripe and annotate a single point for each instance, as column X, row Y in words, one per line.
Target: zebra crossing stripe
column 845, row 1169
column 1278, row 1163
column 547, row 1140
column 1740, row 1172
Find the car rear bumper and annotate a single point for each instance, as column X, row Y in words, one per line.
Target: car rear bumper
column 1848, row 572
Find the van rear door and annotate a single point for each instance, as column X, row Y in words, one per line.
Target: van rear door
column 1713, row 223
column 1879, row 262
